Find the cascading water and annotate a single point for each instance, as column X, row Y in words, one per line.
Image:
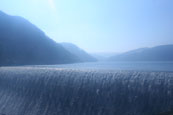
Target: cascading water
column 52, row 91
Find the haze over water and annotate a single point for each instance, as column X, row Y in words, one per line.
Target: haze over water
column 105, row 65
column 40, row 75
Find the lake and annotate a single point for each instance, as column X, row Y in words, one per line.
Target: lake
column 141, row 66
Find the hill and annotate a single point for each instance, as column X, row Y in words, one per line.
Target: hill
column 82, row 55
column 158, row 53
column 22, row 43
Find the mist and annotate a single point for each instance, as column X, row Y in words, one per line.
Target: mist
column 93, row 57
column 99, row 26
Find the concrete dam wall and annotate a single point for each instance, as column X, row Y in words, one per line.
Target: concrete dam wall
column 53, row 91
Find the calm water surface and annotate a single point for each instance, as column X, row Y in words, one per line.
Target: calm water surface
column 141, row 66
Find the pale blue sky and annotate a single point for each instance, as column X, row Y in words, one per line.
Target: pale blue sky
column 99, row 25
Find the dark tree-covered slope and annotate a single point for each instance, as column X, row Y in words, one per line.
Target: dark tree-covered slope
column 22, row 43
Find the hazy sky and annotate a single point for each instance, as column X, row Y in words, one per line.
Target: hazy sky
column 99, row 25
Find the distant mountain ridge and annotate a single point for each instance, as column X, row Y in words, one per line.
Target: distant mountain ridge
column 22, row 43
column 158, row 53
column 81, row 54
column 103, row 56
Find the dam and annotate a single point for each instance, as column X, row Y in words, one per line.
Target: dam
column 66, row 91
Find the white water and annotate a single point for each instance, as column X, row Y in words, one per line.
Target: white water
column 82, row 89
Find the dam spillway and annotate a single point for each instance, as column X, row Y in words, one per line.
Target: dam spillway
column 56, row 91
